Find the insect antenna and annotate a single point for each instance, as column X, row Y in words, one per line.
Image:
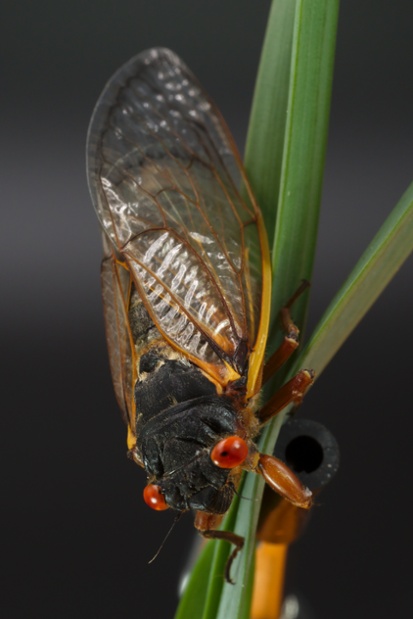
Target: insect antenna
column 177, row 517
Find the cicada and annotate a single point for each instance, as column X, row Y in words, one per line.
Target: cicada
column 186, row 281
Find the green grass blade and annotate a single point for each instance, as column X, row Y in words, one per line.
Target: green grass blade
column 267, row 124
column 289, row 188
column 293, row 185
column 193, row 605
column 284, row 159
column 379, row 263
column 202, row 593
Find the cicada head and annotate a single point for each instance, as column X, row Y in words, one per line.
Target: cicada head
column 193, row 456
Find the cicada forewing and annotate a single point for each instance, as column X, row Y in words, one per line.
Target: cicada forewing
column 117, row 287
column 173, row 201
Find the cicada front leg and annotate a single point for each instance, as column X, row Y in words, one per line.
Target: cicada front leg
column 277, row 474
column 291, row 393
column 283, row 481
column 207, row 524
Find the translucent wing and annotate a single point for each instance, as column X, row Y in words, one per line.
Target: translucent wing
column 171, row 196
column 116, row 283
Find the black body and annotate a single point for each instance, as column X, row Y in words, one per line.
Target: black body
column 180, row 418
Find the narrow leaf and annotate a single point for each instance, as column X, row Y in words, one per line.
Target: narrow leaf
column 377, row 266
column 293, row 185
column 267, row 124
column 284, row 160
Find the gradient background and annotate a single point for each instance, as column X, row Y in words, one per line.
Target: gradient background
column 75, row 534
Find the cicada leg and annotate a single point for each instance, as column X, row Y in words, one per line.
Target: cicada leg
column 291, row 393
column 282, row 480
column 277, row 474
column 290, row 342
column 206, row 524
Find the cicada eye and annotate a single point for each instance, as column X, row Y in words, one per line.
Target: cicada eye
column 230, row 452
column 153, row 497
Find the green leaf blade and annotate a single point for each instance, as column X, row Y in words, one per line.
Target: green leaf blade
column 266, row 130
column 284, row 161
column 304, row 155
column 293, row 185
column 377, row 266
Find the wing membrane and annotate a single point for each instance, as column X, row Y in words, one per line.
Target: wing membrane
column 171, row 196
column 115, row 281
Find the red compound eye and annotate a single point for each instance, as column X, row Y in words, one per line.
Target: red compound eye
column 153, row 497
column 230, row 452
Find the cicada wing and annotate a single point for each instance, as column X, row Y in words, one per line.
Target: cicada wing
column 116, row 286
column 171, row 195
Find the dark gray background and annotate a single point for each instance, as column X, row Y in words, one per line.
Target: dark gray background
column 76, row 536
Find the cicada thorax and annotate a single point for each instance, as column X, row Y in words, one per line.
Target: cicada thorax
column 180, row 416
